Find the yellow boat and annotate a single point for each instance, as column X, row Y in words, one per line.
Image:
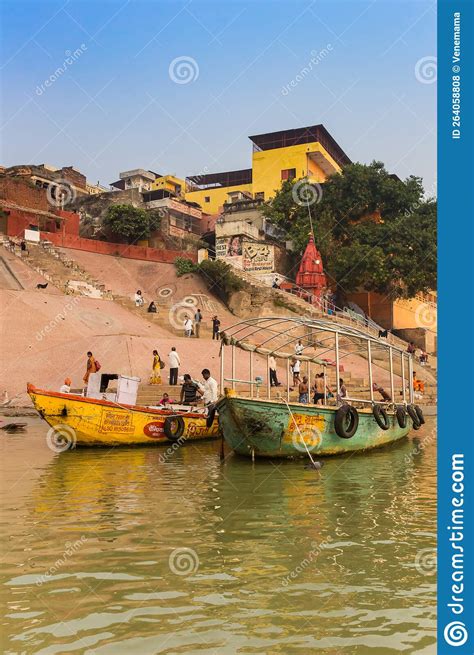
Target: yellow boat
column 83, row 421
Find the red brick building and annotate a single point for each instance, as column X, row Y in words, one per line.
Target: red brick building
column 24, row 205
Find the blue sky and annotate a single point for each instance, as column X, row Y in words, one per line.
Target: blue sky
column 116, row 106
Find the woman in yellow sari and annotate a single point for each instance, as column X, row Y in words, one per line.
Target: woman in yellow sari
column 155, row 377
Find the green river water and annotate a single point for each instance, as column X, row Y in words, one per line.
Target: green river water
column 123, row 551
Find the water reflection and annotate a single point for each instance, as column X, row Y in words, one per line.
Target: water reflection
column 279, row 558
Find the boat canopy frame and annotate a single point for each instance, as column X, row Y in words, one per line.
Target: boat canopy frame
column 277, row 327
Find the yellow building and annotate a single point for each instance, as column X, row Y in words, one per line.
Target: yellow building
column 170, row 183
column 277, row 156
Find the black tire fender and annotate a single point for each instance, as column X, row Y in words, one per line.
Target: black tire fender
column 401, row 415
column 419, row 413
column 414, row 417
column 381, row 416
column 346, row 421
column 173, row 427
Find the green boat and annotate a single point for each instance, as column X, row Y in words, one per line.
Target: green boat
column 279, row 426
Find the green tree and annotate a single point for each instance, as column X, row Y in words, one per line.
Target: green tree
column 131, row 223
column 374, row 231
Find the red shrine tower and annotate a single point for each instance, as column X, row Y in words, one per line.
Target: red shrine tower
column 311, row 275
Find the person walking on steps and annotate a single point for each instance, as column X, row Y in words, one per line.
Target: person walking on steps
column 197, row 323
column 215, row 327
column 188, row 327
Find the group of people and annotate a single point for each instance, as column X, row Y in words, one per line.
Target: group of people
column 192, row 325
column 174, row 362
column 192, row 391
column 319, row 389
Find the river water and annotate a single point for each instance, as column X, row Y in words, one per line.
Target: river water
column 141, row 551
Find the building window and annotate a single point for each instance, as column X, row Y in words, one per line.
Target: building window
column 260, row 195
column 288, row 174
column 207, row 198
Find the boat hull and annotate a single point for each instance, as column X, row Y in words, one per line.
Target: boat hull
column 88, row 422
column 266, row 428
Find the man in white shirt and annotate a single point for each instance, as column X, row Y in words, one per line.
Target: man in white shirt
column 208, row 390
column 299, row 348
column 296, row 367
column 174, row 363
column 188, row 327
column 273, row 372
column 66, row 387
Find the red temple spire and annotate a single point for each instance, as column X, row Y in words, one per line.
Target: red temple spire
column 311, row 272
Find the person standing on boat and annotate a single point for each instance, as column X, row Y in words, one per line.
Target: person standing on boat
column 91, row 367
column 303, row 390
column 189, row 391
column 155, row 377
column 197, row 322
column 272, row 367
column 188, row 327
column 174, row 364
column 342, row 395
column 208, row 390
column 318, row 388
